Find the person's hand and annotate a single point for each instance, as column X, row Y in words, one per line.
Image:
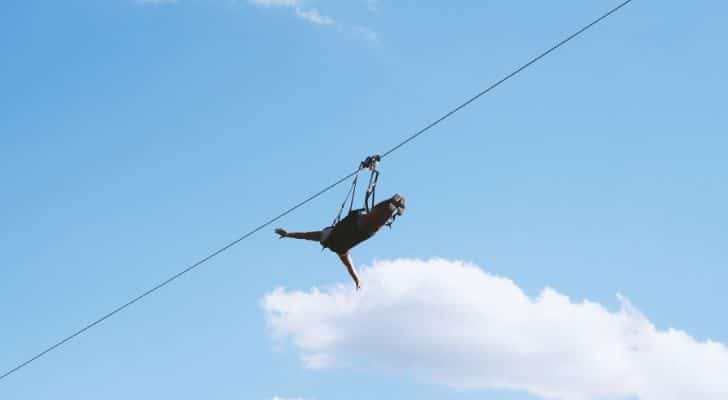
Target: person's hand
column 281, row 232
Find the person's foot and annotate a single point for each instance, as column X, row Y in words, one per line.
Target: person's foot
column 281, row 232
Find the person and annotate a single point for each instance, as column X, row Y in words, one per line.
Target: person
column 355, row 228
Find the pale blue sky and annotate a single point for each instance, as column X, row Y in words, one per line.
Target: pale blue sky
column 137, row 137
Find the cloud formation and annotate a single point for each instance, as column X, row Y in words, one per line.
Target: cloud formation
column 156, row 2
column 311, row 15
column 287, row 3
column 373, row 5
column 452, row 323
column 304, row 11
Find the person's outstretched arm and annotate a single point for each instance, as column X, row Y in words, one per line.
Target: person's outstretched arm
column 346, row 259
column 315, row 235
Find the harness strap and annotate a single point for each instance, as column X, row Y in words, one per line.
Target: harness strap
column 351, row 192
column 369, row 163
column 371, row 190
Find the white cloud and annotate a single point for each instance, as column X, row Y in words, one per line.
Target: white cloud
column 157, row 2
column 373, row 5
column 307, row 14
column 313, row 15
column 452, row 323
column 277, row 3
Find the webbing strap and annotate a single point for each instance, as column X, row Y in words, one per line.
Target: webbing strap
column 371, row 190
column 369, row 163
column 351, row 192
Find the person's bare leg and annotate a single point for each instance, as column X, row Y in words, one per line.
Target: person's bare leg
column 315, row 235
column 346, row 259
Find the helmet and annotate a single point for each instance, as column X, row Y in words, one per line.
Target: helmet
column 398, row 201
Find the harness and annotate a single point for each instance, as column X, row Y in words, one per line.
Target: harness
column 369, row 163
column 346, row 232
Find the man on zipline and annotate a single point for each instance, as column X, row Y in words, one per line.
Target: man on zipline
column 357, row 227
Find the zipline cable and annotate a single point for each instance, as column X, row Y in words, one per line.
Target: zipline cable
column 175, row 276
column 507, row 77
column 309, row 199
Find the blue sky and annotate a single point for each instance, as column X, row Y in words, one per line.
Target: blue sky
column 137, row 136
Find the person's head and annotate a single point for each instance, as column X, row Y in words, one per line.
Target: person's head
column 395, row 203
